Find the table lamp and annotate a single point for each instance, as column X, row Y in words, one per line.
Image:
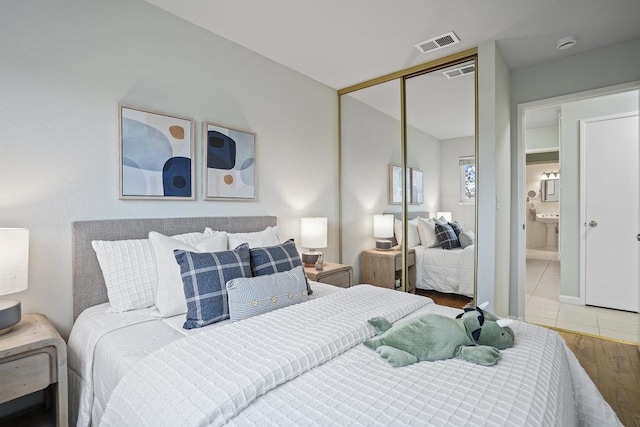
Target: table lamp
column 14, row 273
column 383, row 230
column 446, row 215
column 313, row 235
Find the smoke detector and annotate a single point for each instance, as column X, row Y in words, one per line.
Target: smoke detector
column 566, row 43
column 438, row 42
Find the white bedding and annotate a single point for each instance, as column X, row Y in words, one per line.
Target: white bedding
column 305, row 365
column 104, row 346
column 445, row 270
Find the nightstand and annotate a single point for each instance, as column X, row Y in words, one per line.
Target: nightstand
column 383, row 268
column 332, row 274
column 33, row 356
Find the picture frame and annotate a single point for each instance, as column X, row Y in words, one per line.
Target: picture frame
column 155, row 155
column 417, row 187
column 395, row 184
column 229, row 163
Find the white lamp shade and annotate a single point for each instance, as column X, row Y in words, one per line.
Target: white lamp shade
column 383, row 226
column 313, row 232
column 447, row 215
column 14, row 260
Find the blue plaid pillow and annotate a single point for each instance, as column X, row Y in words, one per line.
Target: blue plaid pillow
column 204, row 277
column 276, row 259
column 446, row 236
column 457, row 228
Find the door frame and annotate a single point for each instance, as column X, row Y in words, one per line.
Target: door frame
column 520, row 219
column 583, row 194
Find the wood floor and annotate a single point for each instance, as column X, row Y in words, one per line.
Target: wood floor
column 613, row 367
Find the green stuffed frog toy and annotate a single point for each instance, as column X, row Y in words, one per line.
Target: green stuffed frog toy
column 475, row 335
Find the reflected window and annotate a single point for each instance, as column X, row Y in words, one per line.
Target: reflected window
column 467, row 179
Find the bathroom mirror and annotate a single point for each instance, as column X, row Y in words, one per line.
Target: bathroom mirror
column 550, row 190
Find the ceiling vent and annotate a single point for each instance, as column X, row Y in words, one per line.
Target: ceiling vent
column 452, row 73
column 438, row 42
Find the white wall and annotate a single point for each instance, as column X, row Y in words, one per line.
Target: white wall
column 67, row 65
column 542, row 139
column 493, row 175
column 450, row 152
column 594, row 69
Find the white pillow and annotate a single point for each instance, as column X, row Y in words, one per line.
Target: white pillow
column 412, row 231
column 129, row 272
column 251, row 296
column 270, row 236
column 170, row 299
column 467, row 238
column 427, row 232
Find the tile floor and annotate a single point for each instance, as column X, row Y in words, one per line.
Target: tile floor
column 542, row 304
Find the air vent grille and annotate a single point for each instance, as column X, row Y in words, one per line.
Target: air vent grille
column 452, row 73
column 438, row 42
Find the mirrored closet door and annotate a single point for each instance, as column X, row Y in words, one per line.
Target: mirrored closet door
column 408, row 152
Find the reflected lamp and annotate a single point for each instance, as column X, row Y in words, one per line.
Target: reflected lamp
column 383, row 231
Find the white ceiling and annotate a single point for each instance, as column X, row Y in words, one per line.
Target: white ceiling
column 344, row 42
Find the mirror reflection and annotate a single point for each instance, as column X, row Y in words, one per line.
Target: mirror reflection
column 550, row 190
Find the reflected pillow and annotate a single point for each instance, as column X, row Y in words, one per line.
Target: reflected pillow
column 457, row 228
column 412, row 231
column 446, row 236
column 427, row 232
column 467, row 238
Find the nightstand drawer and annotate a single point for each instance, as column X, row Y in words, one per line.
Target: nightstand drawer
column 411, row 260
column 342, row 279
column 25, row 375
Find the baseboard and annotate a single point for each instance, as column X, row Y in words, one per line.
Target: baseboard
column 571, row 300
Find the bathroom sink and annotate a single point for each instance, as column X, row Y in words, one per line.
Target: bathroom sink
column 548, row 218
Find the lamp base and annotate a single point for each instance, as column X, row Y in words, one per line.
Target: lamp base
column 309, row 258
column 383, row 245
column 10, row 314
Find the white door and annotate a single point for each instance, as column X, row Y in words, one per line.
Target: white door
column 610, row 191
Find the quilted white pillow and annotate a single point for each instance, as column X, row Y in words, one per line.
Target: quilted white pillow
column 270, row 236
column 412, row 231
column 170, row 299
column 129, row 272
column 427, row 231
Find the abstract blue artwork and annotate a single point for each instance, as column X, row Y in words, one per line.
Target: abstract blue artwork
column 156, row 153
column 230, row 163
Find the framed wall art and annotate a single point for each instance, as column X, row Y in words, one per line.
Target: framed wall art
column 229, row 163
column 417, row 186
column 155, row 155
column 395, row 185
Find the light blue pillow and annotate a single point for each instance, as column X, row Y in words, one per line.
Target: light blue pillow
column 251, row 296
column 466, row 238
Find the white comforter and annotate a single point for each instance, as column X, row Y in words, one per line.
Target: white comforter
column 304, row 365
column 446, row 270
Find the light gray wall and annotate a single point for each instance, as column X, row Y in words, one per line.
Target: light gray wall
column 597, row 68
column 67, row 65
column 450, row 152
column 542, row 139
column 370, row 142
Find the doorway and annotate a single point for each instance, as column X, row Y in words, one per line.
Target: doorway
column 565, row 305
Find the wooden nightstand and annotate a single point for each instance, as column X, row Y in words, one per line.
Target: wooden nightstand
column 32, row 356
column 382, row 268
column 332, row 274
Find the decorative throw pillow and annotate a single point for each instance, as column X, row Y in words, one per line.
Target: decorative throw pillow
column 412, row 232
column 257, row 295
column 205, row 276
column 427, row 232
column 170, row 300
column 446, row 236
column 268, row 237
column 129, row 272
column 467, row 238
column 276, row 259
column 457, row 228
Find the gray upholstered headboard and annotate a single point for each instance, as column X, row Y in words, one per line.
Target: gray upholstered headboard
column 88, row 283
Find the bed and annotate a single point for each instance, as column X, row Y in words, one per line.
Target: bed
column 299, row 365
